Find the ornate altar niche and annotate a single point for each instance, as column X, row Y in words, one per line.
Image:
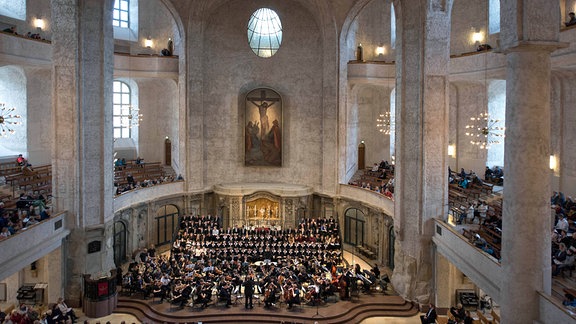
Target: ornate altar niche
column 263, row 209
column 261, row 204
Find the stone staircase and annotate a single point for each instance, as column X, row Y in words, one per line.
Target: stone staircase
column 339, row 312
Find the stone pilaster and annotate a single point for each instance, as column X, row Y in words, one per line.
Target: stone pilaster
column 421, row 140
column 82, row 122
column 526, row 203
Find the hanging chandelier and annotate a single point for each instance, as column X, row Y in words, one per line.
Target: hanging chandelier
column 133, row 117
column 7, row 120
column 485, row 131
column 385, row 123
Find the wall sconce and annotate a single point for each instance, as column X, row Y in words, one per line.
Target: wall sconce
column 380, row 50
column 452, row 150
column 553, row 162
column 148, row 42
column 477, row 36
column 39, row 23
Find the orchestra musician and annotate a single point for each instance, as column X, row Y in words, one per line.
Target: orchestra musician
column 225, row 293
column 270, row 294
column 291, row 294
column 204, row 294
column 182, row 294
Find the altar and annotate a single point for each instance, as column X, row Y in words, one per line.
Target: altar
column 262, row 204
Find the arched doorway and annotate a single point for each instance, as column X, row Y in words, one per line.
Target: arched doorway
column 391, row 251
column 354, row 227
column 166, row 224
column 361, row 156
column 119, row 243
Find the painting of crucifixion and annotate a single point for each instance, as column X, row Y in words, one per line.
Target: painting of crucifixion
column 263, row 128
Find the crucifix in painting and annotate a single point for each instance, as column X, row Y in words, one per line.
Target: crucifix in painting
column 263, row 142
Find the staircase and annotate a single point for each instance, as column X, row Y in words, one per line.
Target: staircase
column 337, row 312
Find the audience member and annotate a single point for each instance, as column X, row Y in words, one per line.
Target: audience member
column 572, row 20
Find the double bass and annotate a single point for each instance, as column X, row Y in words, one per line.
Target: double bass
column 343, row 286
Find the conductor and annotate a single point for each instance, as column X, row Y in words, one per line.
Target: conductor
column 248, row 292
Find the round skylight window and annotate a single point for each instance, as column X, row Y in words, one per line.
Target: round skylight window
column 264, row 32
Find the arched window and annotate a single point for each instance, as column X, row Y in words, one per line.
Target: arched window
column 166, row 224
column 392, row 26
column 122, row 104
column 119, row 243
column 13, row 8
column 354, row 227
column 494, row 16
column 264, row 32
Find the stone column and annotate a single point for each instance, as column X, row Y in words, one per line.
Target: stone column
column 529, row 33
column 421, row 140
column 82, row 123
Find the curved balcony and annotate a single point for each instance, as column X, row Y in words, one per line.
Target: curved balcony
column 367, row 197
column 483, row 269
column 135, row 197
column 19, row 50
column 29, row 245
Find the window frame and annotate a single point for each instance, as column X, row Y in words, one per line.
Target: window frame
column 122, row 106
column 120, row 10
column 264, row 42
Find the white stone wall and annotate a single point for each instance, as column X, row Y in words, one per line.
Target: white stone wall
column 372, row 101
column 372, row 29
column 231, row 70
column 469, row 15
column 156, row 22
column 158, row 104
column 13, row 93
column 471, row 101
column 39, row 121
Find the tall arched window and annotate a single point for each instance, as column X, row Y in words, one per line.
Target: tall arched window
column 494, row 16
column 166, row 224
column 264, row 32
column 122, row 104
column 119, row 243
column 392, row 26
column 354, row 227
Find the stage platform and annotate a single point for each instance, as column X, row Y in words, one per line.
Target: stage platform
column 334, row 311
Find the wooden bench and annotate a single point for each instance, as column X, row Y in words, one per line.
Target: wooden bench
column 495, row 316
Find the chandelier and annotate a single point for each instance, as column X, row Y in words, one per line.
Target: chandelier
column 133, row 117
column 485, row 131
column 385, row 123
column 7, row 120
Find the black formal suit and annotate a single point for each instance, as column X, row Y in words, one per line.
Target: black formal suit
column 248, row 292
column 430, row 316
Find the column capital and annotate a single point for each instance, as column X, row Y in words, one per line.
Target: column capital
column 534, row 46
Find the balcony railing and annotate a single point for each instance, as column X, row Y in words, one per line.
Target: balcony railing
column 32, row 243
column 479, row 266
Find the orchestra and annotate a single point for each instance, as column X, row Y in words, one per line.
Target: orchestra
column 301, row 265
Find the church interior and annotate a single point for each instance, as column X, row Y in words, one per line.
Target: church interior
column 426, row 140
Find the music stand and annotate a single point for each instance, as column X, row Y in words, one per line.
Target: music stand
column 317, row 301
